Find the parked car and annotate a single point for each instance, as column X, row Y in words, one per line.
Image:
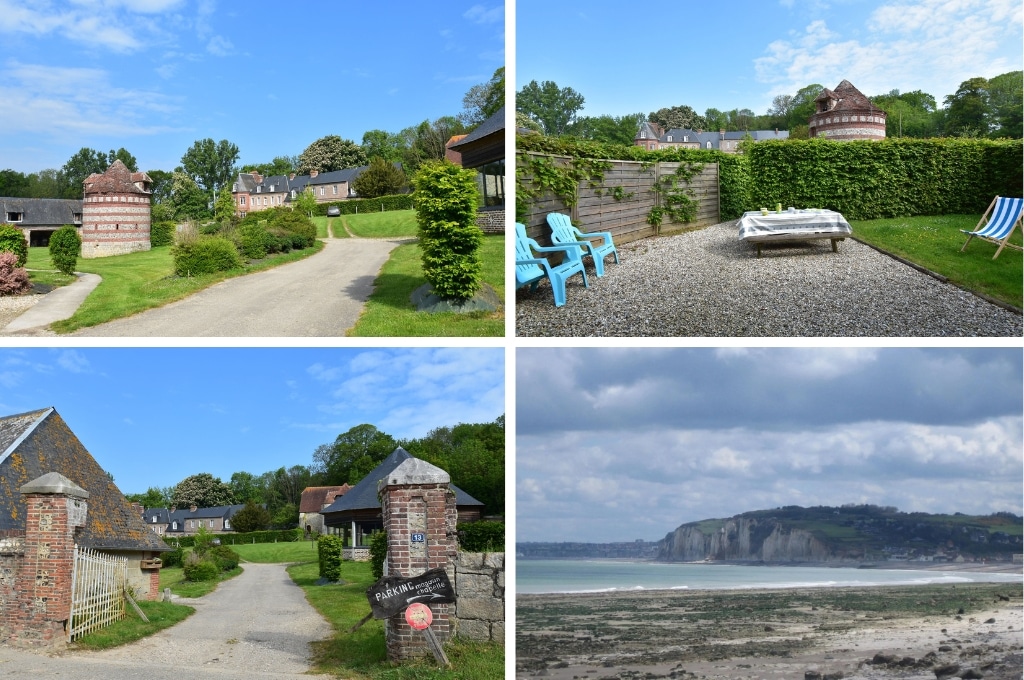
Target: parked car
column 333, row 211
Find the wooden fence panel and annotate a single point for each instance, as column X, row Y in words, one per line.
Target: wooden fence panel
column 622, row 201
column 97, row 591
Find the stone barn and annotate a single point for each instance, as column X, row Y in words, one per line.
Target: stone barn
column 116, row 212
column 844, row 114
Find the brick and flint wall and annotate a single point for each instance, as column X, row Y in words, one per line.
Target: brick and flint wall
column 115, row 224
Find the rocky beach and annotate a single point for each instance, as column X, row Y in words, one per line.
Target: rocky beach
column 933, row 632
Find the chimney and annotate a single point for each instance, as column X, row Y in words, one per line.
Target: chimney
column 139, row 510
column 193, row 508
column 174, row 508
column 313, row 173
column 257, row 177
column 721, row 133
column 291, row 175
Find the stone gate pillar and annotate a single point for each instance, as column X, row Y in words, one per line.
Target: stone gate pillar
column 419, row 516
column 55, row 506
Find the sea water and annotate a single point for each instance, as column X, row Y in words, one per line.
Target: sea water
column 595, row 576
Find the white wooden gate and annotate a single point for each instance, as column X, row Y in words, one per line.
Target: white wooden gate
column 97, row 591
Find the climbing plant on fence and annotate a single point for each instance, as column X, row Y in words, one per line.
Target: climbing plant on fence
column 887, row 178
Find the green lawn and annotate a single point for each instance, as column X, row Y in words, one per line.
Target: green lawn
column 174, row 578
column 389, row 312
column 139, row 281
column 362, row 654
column 277, row 553
column 391, row 224
column 131, row 628
column 327, row 227
column 935, row 242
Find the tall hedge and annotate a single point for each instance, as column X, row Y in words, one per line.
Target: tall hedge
column 887, row 178
column 446, row 200
column 329, row 549
column 365, row 205
column 12, row 240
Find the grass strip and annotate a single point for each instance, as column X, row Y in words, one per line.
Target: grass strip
column 362, row 654
column 139, row 281
column 161, row 615
column 390, row 224
column 934, row 242
column 389, row 311
column 174, row 578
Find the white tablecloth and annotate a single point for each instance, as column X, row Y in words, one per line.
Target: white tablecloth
column 793, row 225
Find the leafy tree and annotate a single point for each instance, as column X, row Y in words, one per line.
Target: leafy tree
column 286, row 516
column 524, row 122
column 161, row 187
column 224, row 208
column 305, row 202
column 967, row 109
column 608, row 129
column 383, row 144
column 252, row 517
column 155, row 497
column 432, row 139
column 1006, row 95
column 908, row 114
column 281, row 165
column 208, row 163
column 202, row 490
column 65, row 247
column 803, row 106
column 715, row 119
column 123, row 156
column 49, row 183
column 187, row 198
column 382, row 178
column 74, row 173
column 678, row 117
column 353, row 454
column 331, row 153
column 445, row 197
column 484, row 100
column 246, row 487
column 553, row 107
column 13, row 183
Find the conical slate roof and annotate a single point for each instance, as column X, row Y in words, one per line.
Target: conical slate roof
column 363, row 496
column 37, row 443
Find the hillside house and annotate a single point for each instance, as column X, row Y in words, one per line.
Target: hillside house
column 357, row 514
column 652, row 137
column 38, row 443
column 314, row 499
column 844, row 114
column 187, row 521
column 253, row 192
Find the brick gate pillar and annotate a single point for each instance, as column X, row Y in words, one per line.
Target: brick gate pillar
column 420, row 516
column 55, row 506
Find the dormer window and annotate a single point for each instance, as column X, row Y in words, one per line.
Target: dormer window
column 669, row 138
column 15, row 216
column 643, row 134
column 686, row 138
column 259, row 189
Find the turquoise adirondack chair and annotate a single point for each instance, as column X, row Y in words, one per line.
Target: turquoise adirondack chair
column 530, row 269
column 562, row 233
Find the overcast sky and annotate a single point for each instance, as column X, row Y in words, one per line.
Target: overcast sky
column 729, row 55
column 154, row 76
column 153, row 416
column 625, row 444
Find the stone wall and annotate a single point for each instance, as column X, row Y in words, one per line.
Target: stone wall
column 12, row 553
column 480, row 596
column 115, row 225
column 491, row 221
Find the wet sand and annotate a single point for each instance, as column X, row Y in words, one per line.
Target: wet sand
column 868, row 633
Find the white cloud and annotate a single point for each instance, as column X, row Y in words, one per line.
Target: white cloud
column 479, row 14
column 219, row 46
column 111, row 24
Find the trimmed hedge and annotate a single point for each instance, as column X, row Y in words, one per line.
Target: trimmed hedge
column 12, row 240
column 483, row 536
column 283, row 536
column 328, row 548
column 365, row 205
column 65, row 247
column 867, row 180
column 162, row 234
column 861, row 179
column 205, row 255
column 378, row 553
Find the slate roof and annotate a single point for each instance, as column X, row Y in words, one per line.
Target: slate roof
column 39, row 442
column 702, row 138
column 40, row 212
column 363, row 496
column 495, row 123
column 314, row 498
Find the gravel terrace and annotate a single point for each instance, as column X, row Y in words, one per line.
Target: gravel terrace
column 707, row 283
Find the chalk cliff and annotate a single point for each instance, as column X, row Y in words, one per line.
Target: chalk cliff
column 743, row 539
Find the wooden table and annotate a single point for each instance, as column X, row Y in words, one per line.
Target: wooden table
column 798, row 225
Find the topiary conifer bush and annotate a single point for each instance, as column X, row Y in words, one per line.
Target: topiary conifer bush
column 13, row 241
column 446, row 200
column 65, row 247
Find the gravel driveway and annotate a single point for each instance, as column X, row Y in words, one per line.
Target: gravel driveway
column 255, row 625
column 320, row 296
column 707, row 283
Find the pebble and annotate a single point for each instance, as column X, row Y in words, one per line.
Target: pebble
column 708, row 283
column 13, row 306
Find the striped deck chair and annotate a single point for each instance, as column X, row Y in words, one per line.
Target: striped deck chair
column 1004, row 214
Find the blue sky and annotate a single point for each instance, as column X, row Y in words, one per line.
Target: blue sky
column 152, row 417
column 637, row 59
column 628, row 443
column 153, row 76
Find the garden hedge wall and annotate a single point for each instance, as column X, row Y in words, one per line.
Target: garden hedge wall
column 282, row 536
column 861, row 179
column 887, row 178
column 364, row 205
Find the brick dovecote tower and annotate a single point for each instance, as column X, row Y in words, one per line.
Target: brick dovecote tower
column 844, row 114
column 116, row 212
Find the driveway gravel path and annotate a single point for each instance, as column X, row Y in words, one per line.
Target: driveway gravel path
column 320, row 296
column 257, row 625
column 708, row 283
